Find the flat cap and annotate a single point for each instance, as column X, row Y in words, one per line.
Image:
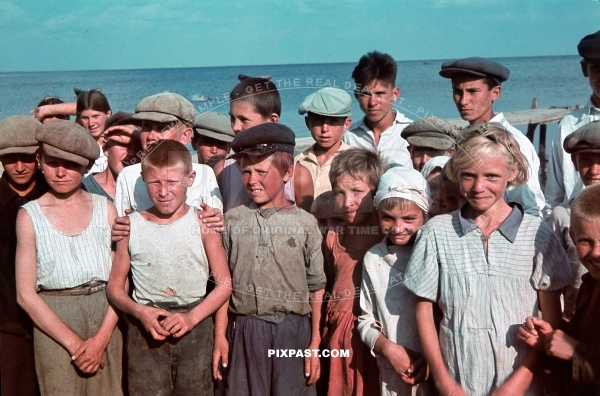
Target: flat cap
column 480, row 67
column 17, row 135
column 214, row 125
column 264, row 139
column 165, row 107
column 432, row 132
column 118, row 118
column 585, row 138
column 329, row 101
column 67, row 140
column 589, row 47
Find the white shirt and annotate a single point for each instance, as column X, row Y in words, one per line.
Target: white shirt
column 563, row 182
column 131, row 192
column 537, row 206
column 392, row 146
column 100, row 164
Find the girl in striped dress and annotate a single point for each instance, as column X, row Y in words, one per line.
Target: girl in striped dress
column 63, row 262
column 487, row 266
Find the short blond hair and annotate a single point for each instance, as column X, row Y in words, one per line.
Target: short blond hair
column 481, row 140
column 360, row 164
column 585, row 206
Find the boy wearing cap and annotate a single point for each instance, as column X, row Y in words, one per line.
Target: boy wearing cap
column 327, row 117
column 376, row 92
column 274, row 252
column 212, row 137
column 387, row 323
column 165, row 115
column 21, row 182
column 63, row 261
column 563, row 182
column 584, row 147
column 429, row 137
column 475, row 86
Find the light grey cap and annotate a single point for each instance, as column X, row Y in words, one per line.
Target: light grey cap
column 67, row 140
column 165, row 107
column 17, row 135
column 214, row 125
column 332, row 102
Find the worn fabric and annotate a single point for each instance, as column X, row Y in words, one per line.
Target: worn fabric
column 389, row 308
column 275, row 260
column 252, row 372
column 560, row 222
column 91, row 185
column 131, row 192
column 100, row 164
column 320, row 174
column 537, row 206
column 17, row 366
column 583, row 375
column 564, row 183
column 66, row 261
column 56, row 373
column 168, row 261
column 233, row 190
column 449, row 266
column 173, row 367
column 392, row 146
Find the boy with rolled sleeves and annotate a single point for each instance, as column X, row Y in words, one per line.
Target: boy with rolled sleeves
column 212, row 137
column 21, row 182
column 584, row 147
column 327, row 117
column 274, row 253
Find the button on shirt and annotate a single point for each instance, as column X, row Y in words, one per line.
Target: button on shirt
column 320, row 174
column 392, row 146
column 275, row 260
column 563, row 182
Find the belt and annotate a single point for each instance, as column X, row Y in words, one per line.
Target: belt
column 174, row 307
column 83, row 290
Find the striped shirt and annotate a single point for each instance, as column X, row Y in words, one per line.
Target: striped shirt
column 66, row 261
column 485, row 297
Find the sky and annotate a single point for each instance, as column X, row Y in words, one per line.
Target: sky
column 50, row 35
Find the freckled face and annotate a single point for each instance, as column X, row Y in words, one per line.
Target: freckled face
column 586, row 236
column 353, row 198
column 167, row 187
column 243, row 115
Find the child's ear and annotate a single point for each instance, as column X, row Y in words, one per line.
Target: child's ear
column 288, row 174
column 191, row 178
column 273, row 117
column 347, row 124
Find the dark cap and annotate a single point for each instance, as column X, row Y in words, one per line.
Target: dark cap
column 432, row 132
column 589, row 47
column 214, row 125
column 586, row 138
column 165, row 107
column 17, row 135
column 264, row 139
column 67, row 140
column 480, row 67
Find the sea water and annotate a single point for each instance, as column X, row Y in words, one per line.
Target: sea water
column 554, row 80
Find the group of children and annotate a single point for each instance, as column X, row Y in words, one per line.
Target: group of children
column 414, row 258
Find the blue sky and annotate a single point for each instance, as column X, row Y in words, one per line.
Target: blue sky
column 110, row 34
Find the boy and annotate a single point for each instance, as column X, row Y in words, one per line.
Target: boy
column 563, row 181
column 21, row 182
column 387, row 323
column 578, row 346
column 354, row 176
column 428, row 138
column 376, row 92
column 584, row 146
column 274, row 252
column 327, row 117
column 212, row 137
column 170, row 329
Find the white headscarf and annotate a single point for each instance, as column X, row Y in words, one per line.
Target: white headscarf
column 402, row 182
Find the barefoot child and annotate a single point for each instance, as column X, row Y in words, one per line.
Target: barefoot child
column 485, row 266
column 63, row 264
column 387, row 322
column 578, row 346
column 274, row 252
column 354, row 176
column 171, row 258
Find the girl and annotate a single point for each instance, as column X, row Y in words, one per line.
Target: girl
column 487, row 266
column 63, row 261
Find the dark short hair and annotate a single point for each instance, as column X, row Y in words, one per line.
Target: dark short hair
column 50, row 100
column 92, row 100
column 261, row 92
column 165, row 154
column 375, row 66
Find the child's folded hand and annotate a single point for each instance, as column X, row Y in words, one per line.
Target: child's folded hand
column 532, row 332
column 178, row 324
column 89, row 357
column 398, row 357
column 151, row 319
column 418, row 371
column 220, row 356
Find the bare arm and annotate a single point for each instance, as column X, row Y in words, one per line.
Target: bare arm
column 39, row 113
column 431, row 349
column 303, row 187
column 221, row 345
column 312, row 364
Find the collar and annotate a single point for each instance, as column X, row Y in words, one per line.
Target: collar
column 398, row 119
column 509, row 227
column 266, row 213
column 309, row 153
column 392, row 254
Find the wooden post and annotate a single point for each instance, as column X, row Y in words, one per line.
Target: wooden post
column 542, row 155
column 531, row 127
